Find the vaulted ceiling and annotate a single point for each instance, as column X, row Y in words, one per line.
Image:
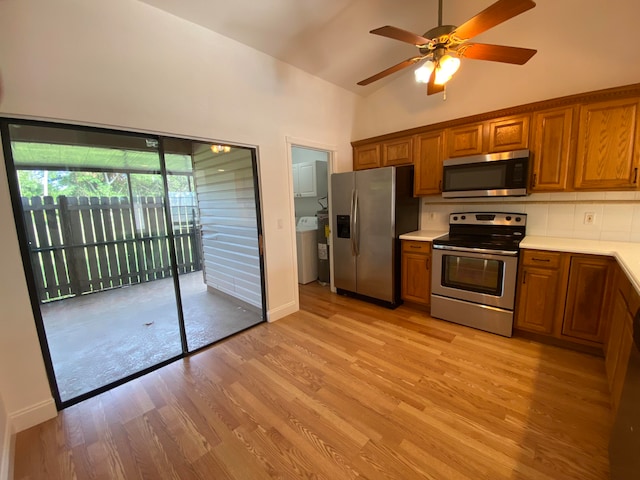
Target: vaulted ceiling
column 330, row 38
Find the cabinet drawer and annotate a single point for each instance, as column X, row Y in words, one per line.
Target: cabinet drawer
column 539, row 258
column 416, row 246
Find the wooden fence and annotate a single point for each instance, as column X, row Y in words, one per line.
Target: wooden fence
column 87, row 244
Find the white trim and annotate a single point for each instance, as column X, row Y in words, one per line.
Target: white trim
column 33, row 415
column 7, row 452
column 283, row 311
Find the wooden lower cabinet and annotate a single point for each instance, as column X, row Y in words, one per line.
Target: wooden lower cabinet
column 541, row 291
column 620, row 342
column 566, row 296
column 416, row 271
column 587, row 306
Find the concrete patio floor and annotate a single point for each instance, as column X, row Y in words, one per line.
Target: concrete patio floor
column 102, row 337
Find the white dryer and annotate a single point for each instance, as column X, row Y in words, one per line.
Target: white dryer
column 306, row 245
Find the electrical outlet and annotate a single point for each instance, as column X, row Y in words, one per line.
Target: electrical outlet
column 589, row 218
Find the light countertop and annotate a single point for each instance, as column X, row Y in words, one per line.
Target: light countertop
column 423, row 235
column 627, row 253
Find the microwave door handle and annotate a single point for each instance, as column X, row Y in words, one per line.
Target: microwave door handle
column 356, row 227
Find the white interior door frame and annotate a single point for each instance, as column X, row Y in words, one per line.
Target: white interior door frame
column 331, row 150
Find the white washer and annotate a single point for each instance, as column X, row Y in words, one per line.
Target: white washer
column 306, row 245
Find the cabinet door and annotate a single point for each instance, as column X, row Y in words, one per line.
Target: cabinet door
column 307, row 180
column 397, row 152
column 416, row 272
column 539, row 294
column 587, row 298
column 465, row 140
column 607, row 154
column 428, row 163
column 551, row 149
column 617, row 320
column 625, row 346
column 366, row 156
column 510, row 133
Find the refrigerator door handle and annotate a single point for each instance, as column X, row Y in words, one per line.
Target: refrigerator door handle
column 355, row 236
column 351, row 229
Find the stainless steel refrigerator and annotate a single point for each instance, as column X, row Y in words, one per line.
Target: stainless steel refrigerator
column 370, row 209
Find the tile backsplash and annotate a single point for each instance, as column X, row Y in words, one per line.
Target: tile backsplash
column 616, row 215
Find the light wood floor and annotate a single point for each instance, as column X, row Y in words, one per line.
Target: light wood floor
column 340, row 390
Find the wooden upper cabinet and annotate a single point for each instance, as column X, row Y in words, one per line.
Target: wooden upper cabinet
column 608, row 145
column 551, row 149
column 507, row 134
column 588, row 298
column 428, row 154
column 502, row 135
column 397, row 152
column 465, row 140
column 366, row 156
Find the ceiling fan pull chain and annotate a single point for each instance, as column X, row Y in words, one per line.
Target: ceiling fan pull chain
column 439, row 13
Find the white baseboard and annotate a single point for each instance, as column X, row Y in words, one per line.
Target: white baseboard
column 6, row 456
column 282, row 311
column 33, row 415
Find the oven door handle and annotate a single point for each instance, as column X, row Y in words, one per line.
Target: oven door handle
column 510, row 253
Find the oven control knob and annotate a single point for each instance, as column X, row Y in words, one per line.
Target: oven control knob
column 455, row 219
column 518, row 219
column 508, row 219
column 463, row 217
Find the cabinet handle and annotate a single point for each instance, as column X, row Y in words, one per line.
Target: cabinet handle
column 540, row 259
column 535, row 180
column 427, row 264
column 524, row 278
column 635, row 175
column 440, row 182
column 414, row 246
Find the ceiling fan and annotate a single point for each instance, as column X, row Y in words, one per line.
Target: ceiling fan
column 444, row 45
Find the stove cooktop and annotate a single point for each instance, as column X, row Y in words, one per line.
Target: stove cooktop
column 486, row 230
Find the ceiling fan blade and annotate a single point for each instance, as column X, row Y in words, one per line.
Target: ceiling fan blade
column 493, row 15
column 433, row 88
column 389, row 71
column 399, row 34
column 497, row 53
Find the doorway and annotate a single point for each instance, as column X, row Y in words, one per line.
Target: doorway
column 311, row 170
column 121, row 236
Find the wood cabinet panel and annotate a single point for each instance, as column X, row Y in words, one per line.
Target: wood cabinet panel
column 465, row 140
column 608, row 141
column 586, row 310
column 541, row 258
column 551, row 149
column 507, row 134
column 416, row 272
column 429, row 153
column 397, row 152
column 366, row 156
column 539, row 291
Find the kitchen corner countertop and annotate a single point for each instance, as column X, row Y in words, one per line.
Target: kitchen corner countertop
column 627, row 253
column 423, row 235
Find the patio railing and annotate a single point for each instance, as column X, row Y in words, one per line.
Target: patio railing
column 87, row 244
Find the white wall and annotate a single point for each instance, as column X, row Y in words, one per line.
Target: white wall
column 123, row 63
column 582, row 46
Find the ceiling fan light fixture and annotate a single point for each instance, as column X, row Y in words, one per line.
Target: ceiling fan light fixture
column 447, row 66
column 423, row 72
column 220, row 148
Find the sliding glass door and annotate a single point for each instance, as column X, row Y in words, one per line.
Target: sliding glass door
column 133, row 257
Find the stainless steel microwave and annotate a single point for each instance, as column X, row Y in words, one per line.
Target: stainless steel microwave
column 492, row 175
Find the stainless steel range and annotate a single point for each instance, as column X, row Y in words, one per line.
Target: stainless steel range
column 475, row 270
